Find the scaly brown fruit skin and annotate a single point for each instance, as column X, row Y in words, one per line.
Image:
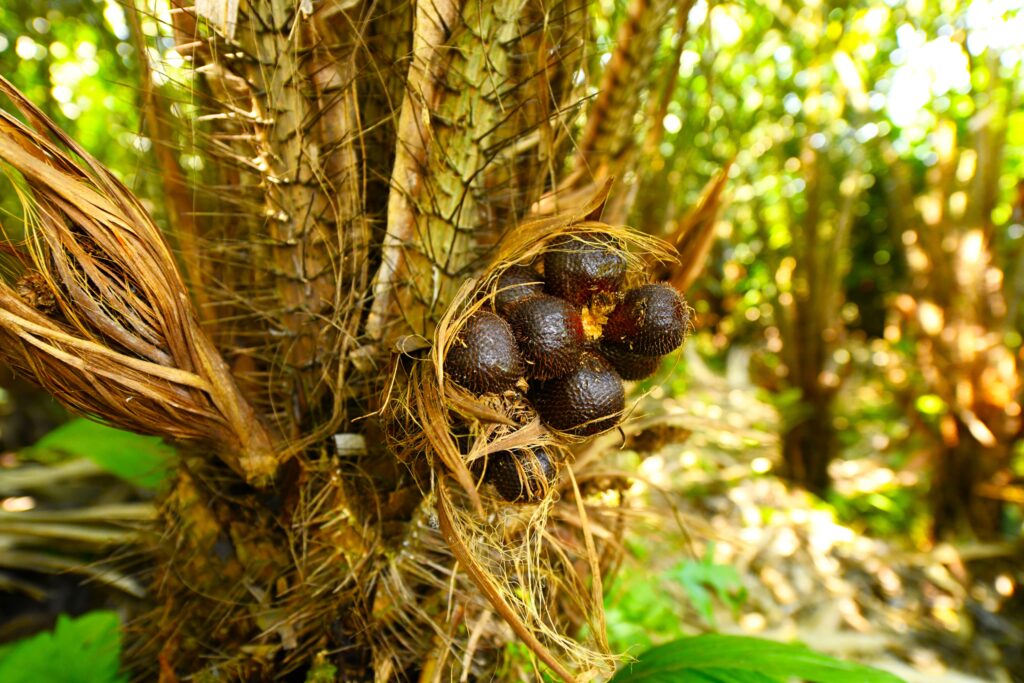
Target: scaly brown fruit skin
column 484, row 357
column 630, row 366
column 650, row 320
column 578, row 267
column 588, row 400
column 515, row 285
column 521, row 476
column 549, row 332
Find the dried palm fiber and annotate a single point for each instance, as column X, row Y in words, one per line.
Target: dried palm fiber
column 279, row 580
column 126, row 345
column 513, row 555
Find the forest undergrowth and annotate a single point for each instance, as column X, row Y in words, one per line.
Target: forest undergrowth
column 766, row 559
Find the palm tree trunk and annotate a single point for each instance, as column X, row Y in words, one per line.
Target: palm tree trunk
column 310, row 124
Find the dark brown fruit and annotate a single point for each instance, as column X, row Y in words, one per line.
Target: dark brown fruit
column 577, row 267
column 522, row 475
column 629, row 365
column 650, row 321
column 588, row 400
column 484, row 357
column 550, row 335
column 517, row 284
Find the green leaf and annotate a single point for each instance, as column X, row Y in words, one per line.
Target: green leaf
column 697, row 577
column 739, row 659
column 730, row 676
column 82, row 650
column 145, row 461
column 322, row 670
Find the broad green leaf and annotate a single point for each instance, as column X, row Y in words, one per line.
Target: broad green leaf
column 732, row 659
column 142, row 460
column 730, row 676
column 82, row 650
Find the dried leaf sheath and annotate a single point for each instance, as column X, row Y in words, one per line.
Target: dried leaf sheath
column 126, row 344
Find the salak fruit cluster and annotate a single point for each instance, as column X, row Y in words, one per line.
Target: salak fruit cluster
column 568, row 337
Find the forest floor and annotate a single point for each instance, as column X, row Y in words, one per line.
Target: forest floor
column 750, row 555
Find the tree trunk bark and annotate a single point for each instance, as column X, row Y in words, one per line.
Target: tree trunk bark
column 959, row 474
column 809, row 447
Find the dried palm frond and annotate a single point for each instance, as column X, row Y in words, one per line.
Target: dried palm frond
column 123, row 342
column 694, row 234
column 57, row 534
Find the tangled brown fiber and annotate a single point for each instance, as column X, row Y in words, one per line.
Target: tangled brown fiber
column 528, row 561
column 120, row 341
